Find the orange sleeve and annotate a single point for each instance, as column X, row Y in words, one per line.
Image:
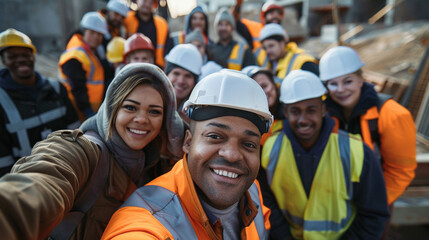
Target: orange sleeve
column 398, row 148
column 135, row 223
column 131, row 24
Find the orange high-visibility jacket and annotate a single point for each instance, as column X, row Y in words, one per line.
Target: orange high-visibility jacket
column 397, row 144
column 169, row 208
column 131, row 22
column 79, row 50
column 254, row 29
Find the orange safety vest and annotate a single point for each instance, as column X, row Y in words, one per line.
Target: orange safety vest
column 254, row 29
column 169, row 208
column 132, row 24
column 77, row 49
column 397, row 149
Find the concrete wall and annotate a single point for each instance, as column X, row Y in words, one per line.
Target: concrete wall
column 48, row 23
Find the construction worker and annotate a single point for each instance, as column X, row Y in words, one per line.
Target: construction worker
column 211, row 193
column 183, row 68
column 115, row 13
column 197, row 39
column 228, row 52
column 283, row 55
column 265, row 79
column 77, row 179
column 139, row 48
column 319, row 183
column 31, row 106
column 196, row 19
column 152, row 26
column 81, row 68
column 271, row 12
column 387, row 127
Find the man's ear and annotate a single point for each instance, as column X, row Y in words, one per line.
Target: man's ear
column 187, row 141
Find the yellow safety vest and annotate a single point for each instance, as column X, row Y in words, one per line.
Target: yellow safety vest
column 236, row 57
column 328, row 211
column 261, row 57
column 294, row 59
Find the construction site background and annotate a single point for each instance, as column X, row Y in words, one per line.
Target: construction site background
column 391, row 37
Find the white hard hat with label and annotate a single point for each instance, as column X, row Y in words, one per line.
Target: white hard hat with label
column 118, row 6
column 186, row 56
column 300, row 85
column 272, row 29
column 231, row 89
column 95, row 22
column 339, row 61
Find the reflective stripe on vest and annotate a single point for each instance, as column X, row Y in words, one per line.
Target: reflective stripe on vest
column 236, row 56
column 178, row 38
column 342, row 214
column 259, row 219
column 161, row 27
column 6, row 161
column 165, row 206
column 19, row 126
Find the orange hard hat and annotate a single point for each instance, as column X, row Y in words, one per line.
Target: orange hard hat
column 137, row 41
column 268, row 6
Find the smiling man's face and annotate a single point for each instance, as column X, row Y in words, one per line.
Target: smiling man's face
column 223, row 158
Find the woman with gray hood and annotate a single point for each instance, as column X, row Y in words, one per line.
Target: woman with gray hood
column 77, row 179
column 196, row 19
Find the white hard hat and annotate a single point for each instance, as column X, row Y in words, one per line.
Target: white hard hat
column 339, row 61
column 187, row 57
column 301, row 85
column 95, row 22
column 118, row 6
column 251, row 70
column 233, row 90
column 272, row 29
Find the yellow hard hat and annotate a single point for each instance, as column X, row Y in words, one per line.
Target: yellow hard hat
column 115, row 49
column 14, row 38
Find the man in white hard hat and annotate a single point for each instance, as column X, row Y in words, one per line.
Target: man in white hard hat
column 320, row 183
column 283, row 56
column 228, row 52
column 115, row 13
column 211, row 193
column 31, row 105
column 183, row 68
column 81, row 68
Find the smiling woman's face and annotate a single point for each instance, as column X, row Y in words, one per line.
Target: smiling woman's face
column 139, row 119
column 345, row 90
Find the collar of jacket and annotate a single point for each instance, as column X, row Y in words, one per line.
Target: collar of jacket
column 189, row 199
column 77, row 41
column 319, row 146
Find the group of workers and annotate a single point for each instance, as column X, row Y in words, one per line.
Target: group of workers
column 175, row 136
